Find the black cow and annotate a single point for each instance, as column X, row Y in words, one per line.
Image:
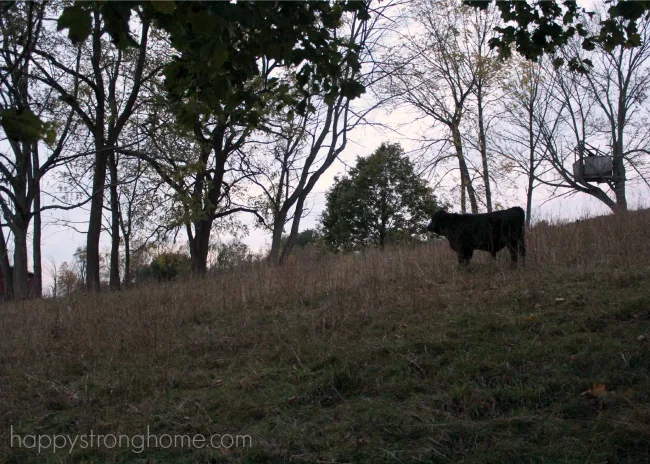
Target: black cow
column 489, row 232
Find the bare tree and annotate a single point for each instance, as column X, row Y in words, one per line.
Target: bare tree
column 489, row 73
column 29, row 116
column 80, row 262
column 139, row 210
column 196, row 166
column 110, row 81
column 304, row 147
column 603, row 109
column 434, row 70
column 67, row 279
column 275, row 177
column 564, row 134
column 619, row 81
column 5, row 267
column 526, row 109
column 199, row 153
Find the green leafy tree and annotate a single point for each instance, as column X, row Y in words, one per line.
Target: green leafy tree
column 222, row 46
column 230, row 73
column 219, row 41
column 233, row 254
column 104, row 85
column 68, row 279
column 305, row 238
column 381, row 200
column 538, row 27
column 165, row 266
column 28, row 116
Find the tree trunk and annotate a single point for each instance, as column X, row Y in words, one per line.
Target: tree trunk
column 619, row 186
column 37, row 287
column 114, row 282
column 463, row 197
column 20, row 222
column 619, row 174
column 531, row 166
column 55, row 285
column 483, row 148
column 127, row 260
column 101, row 160
column 20, row 274
column 529, row 200
column 276, row 240
column 95, row 222
column 5, row 267
column 465, row 178
column 37, row 290
column 200, row 246
column 382, row 208
column 618, row 134
column 291, row 240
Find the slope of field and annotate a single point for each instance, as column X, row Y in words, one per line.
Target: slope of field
column 393, row 357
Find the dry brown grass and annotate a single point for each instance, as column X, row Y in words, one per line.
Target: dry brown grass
column 387, row 357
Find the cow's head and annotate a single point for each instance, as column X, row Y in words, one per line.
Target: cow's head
column 437, row 221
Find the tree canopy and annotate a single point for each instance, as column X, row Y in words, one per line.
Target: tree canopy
column 541, row 27
column 381, row 200
column 222, row 46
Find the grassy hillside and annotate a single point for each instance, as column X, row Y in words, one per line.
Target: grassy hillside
column 387, row 358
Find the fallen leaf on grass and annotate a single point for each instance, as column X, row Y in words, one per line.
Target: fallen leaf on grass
column 597, row 391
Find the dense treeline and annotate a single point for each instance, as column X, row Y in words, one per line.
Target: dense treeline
column 172, row 122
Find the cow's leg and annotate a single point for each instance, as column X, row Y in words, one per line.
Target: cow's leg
column 495, row 244
column 522, row 251
column 464, row 256
column 512, row 248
